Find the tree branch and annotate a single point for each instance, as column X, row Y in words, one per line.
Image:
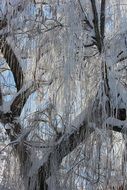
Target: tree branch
column 20, row 100
column 12, row 62
column 96, row 25
column 102, row 19
column 89, row 45
column 10, row 57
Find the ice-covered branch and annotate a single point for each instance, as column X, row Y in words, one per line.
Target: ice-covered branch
column 20, row 99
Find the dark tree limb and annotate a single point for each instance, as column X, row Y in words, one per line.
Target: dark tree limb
column 102, row 19
column 89, row 45
column 13, row 63
column 20, row 100
column 96, row 25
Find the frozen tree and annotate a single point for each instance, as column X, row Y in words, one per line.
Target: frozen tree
column 63, row 94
